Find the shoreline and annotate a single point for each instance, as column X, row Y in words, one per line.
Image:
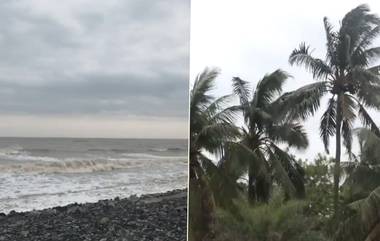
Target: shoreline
column 159, row 216
column 83, row 200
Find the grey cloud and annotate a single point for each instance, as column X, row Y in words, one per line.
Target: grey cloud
column 99, row 93
column 130, row 57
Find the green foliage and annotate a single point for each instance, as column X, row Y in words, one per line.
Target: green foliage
column 275, row 221
column 363, row 175
column 201, row 220
column 369, row 211
column 364, row 221
column 319, row 187
column 361, row 192
column 267, row 206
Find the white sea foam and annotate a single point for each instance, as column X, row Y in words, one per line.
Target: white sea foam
column 51, row 165
column 40, row 173
column 19, row 161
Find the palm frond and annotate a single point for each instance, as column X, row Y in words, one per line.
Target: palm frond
column 291, row 133
column 241, row 89
column 218, row 104
column 372, row 53
column 226, row 115
column 358, row 23
column 257, row 161
column 302, row 57
column 369, row 95
column 213, row 136
column 208, row 165
column 328, row 123
column 360, row 76
column 347, row 135
column 347, row 107
column 375, row 70
column 369, row 144
column 204, row 82
column 364, row 57
column 365, row 41
column 294, row 171
column 269, row 87
column 300, row 103
column 236, row 160
column 280, row 173
column 331, row 39
column 362, row 180
column 223, row 187
column 367, row 120
column 369, row 210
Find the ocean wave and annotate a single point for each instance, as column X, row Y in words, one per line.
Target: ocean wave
column 176, row 149
column 173, row 149
column 158, row 149
column 24, row 157
column 42, row 164
column 97, row 149
column 55, row 192
column 115, row 150
column 37, row 150
column 11, row 150
column 146, row 156
column 15, row 159
column 68, row 166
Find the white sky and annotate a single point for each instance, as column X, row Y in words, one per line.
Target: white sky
column 251, row 38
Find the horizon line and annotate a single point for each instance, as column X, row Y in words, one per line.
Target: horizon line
column 67, row 137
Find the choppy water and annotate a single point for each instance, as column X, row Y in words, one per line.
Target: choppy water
column 36, row 173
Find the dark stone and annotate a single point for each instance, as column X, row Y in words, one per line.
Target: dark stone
column 158, row 217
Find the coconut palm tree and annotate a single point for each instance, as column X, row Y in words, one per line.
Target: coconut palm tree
column 348, row 78
column 363, row 173
column 258, row 152
column 364, row 222
column 210, row 127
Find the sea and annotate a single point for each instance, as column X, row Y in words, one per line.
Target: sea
column 38, row 173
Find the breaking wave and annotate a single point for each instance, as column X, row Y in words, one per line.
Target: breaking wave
column 173, row 149
column 18, row 160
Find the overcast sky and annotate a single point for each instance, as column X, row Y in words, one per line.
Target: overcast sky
column 94, row 68
column 251, row 38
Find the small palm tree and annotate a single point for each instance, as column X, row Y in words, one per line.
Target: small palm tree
column 210, row 127
column 265, row 128
column 369, row 143
column 274, row 221
column 364, row 222
column 363, row 174
column 352, row 84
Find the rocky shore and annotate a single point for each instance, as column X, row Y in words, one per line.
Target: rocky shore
column 154, row 217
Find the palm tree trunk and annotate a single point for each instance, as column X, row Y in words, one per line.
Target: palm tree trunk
column 207, row 198
column 374, row 234
column 208, row 207
column 192, row 167
column 251, row 186
column 337, row 156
